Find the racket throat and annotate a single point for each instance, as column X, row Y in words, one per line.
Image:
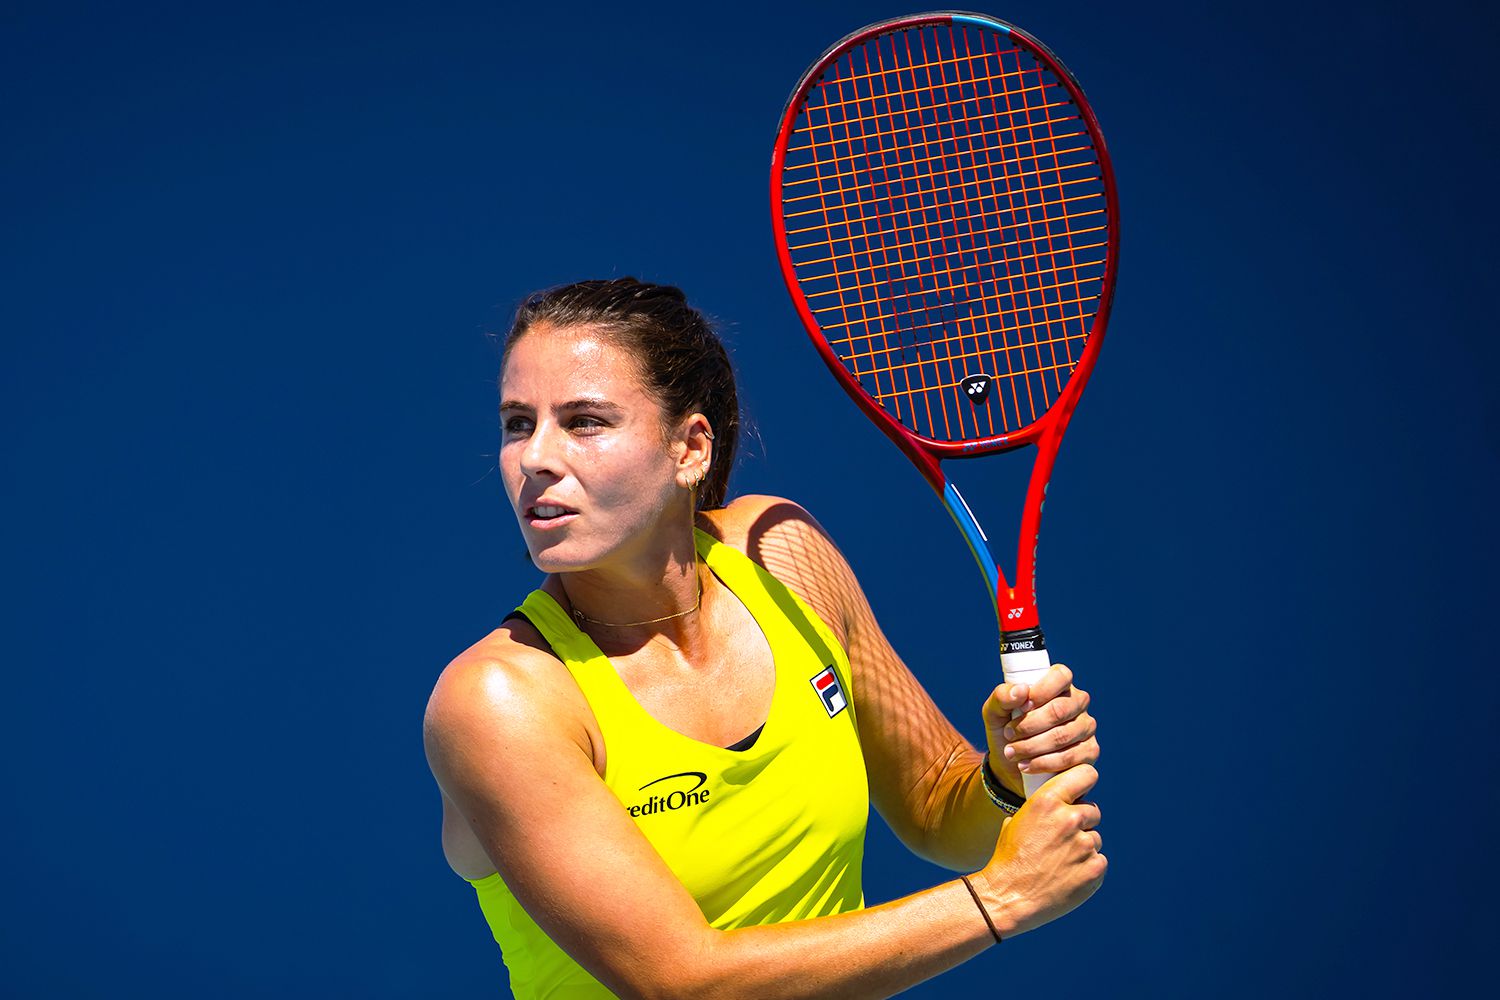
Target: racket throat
column 1009, row 613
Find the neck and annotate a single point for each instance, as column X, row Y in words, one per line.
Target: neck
column 633, row 600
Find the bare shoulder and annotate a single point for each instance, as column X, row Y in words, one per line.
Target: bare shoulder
column 789, row 542
column 502, row 689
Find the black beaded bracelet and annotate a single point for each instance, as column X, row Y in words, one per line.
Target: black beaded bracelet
column 1003, row 797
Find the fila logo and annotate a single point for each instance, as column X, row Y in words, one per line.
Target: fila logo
column 669, row 799
column 827, row 686
column 978, row 387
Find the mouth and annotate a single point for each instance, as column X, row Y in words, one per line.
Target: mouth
column 547, row 515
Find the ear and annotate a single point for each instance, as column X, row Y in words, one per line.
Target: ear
column 694, row 447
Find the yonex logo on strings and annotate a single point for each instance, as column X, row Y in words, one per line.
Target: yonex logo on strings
column 977, row 387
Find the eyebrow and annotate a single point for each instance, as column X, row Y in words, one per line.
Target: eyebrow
column 582, row 403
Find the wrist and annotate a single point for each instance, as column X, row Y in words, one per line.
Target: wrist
column 1004, row 797
column 968, row 882
column 1004, row 908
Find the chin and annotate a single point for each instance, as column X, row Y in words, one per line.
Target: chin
column 560, row 557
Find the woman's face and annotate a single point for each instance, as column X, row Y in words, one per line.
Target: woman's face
column 584, row 458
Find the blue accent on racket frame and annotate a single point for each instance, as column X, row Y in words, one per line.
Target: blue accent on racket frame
column 979, row 22
column 958, row 509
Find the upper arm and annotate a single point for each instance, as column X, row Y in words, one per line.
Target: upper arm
column 501, row 744
column 907, row 740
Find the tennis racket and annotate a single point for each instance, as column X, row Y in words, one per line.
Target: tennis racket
column 946, row 222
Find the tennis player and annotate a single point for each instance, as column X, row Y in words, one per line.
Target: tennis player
column 657, row 772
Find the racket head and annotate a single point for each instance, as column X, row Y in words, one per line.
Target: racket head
column 946, row 222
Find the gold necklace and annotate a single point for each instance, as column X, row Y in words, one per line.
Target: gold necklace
column 581, row 617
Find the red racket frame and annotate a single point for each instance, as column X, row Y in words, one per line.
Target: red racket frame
column 1015, row 603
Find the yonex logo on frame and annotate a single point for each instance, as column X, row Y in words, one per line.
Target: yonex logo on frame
column 827, row 686
column 977, row 387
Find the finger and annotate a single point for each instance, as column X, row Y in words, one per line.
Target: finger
column 1053, row 740
column 1087, row 842
column 1004, row 700
column 1088, row 815
column 1072, row 784
column 1086, row 752
column 1055, row 712
column 1053, row 683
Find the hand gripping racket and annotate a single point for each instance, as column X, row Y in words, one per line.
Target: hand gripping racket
column 946, row 221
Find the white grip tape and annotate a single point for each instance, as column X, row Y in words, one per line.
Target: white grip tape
column 1027, row 667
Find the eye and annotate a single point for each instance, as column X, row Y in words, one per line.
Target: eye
column 516, row 424
column 584, row 423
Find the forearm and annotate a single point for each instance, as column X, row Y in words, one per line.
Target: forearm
column 959, row 822
column 876, row 952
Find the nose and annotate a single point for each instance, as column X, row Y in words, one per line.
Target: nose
column 539, row 455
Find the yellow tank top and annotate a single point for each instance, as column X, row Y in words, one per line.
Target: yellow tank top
column 764, row 835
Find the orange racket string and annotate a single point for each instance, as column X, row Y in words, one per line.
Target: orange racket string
column 1067, row 236
column 1085, row 147
column 913, row 187
column 1062, row 202
column 1010, row 200
column 1052, row 347
column 1027, row 207
column 1027, row 190
column 913, row 66
column 1006, row 329
column 918, row 91
column 867, row 286
column 900, row 257
column 945, row 293
column 882, row 328
column 829, row 238
column 873, row 118
column 1068, row 233
column 930, row 326
column 1018, row 348
column 956, row 128
column 1016, row 375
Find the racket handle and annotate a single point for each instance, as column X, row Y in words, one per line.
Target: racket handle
column 1024, row 659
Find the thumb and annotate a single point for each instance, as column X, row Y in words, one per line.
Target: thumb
column 1072, row 784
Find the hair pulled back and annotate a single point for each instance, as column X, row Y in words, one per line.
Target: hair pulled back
column 683, row 364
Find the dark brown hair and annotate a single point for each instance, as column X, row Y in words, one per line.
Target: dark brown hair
column 683, row 364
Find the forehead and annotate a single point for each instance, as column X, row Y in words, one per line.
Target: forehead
column 564, row 361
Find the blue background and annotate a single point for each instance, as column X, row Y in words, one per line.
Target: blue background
column 253, row 256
